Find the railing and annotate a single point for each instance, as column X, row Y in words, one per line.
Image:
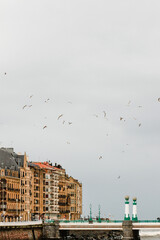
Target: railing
column 147, row 221
column 84, row 221
column 39, row 222
column 101, row 221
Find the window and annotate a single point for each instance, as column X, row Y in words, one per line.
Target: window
column 72, row 209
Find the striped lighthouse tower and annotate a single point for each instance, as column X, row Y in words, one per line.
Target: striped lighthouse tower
column 134, row 215
column 126, row 216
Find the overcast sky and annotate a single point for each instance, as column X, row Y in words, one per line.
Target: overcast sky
column 87, row 57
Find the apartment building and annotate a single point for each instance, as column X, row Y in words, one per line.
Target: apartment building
column 75, row 194
column 70, row 197
column 45, row 200
column 9, row 187
column 34, row 190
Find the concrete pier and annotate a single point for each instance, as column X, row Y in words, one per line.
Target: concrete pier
column 51, row 231
column 128, row 232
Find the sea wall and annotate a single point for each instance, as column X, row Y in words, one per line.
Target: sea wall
column 19, row 233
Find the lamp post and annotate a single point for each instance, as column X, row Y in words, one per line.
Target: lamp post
column 99, row 213
column 134, row 215
column 90, row 214
column 126, row 216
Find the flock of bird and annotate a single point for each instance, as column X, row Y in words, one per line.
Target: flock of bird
column 96, row 115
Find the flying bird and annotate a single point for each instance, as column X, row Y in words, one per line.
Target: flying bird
column 139, row 124
column 158, row 99
column 30, row 106
column 121, row 118
column 104, row 114
column 129, row 103
column 70, row 102
column 95, row 115
column 69, row 123
column 47, row 100
column 44, row 127
column 24, row 106
column 68, row 142
column 100, row 157
column 5, row 73
column 59, row 116
column 119, row 177
column 31, row 96
column 140, row 106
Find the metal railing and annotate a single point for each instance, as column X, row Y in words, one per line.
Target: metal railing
column 84, row 221
column 100, row 221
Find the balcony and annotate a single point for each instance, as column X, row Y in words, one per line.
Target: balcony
column 13, row 189
column 13, row 200
column 14, row 210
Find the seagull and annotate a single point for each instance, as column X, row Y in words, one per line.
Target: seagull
column 129, row 103
column 104, row 114
column 59, row 116
column 31, row 96
column 139, row 124
column 30, row 106
column 24, row 106
column 44, row 127
column 119, row 177
column 5, row 73
column 69, row 123
column 47, row 100
column 121, row 118
column 158, row 99
column 95, row 115
column 100, row 157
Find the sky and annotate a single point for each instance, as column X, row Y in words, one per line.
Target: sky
column 97, row 62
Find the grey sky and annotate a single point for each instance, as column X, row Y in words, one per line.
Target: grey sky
column 98, row 55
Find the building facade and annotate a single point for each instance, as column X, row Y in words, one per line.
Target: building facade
column 70, row 197
column 34, row 190
column 45, row 198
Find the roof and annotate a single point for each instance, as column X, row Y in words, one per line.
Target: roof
column 44, row 165
column 10, row 160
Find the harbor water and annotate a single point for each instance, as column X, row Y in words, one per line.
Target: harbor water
column 150, row 235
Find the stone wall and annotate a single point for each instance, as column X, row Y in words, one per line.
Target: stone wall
column 90, row 234
column 51, row 230
column 11, row 233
